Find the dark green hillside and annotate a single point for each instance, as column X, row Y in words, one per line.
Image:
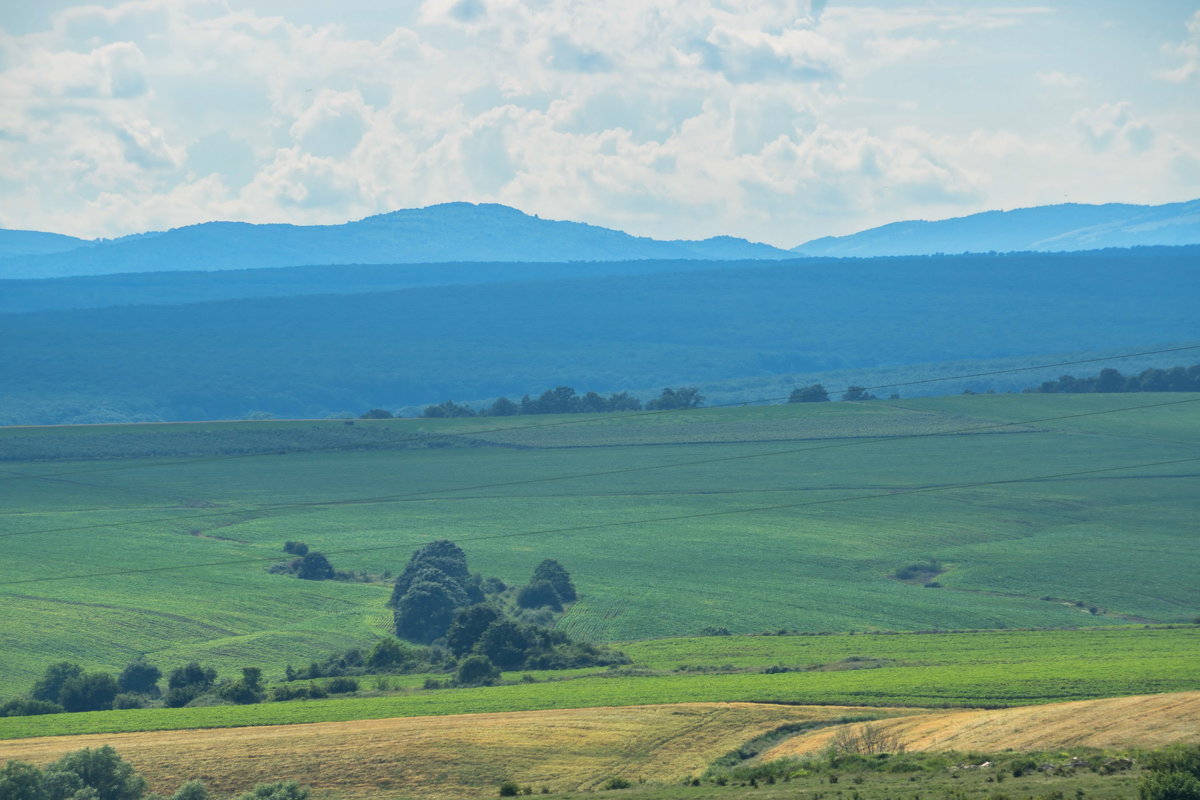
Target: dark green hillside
column 310, row 356
column 800, row 517
column 179, row 288
column 446, row 232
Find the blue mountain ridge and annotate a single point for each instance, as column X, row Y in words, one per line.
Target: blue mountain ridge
column 1056, row 228
column 448, row 232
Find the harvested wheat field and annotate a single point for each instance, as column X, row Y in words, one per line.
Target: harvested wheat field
column 448, row 756
column 1141, row 721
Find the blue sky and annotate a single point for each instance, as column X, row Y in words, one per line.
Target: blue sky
column 775, row 121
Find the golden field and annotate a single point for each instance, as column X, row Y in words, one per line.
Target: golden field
column 1147, row 721
column 447, row 756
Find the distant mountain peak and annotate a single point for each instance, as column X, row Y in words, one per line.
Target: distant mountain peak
column 1060, row 227
column 447, row 232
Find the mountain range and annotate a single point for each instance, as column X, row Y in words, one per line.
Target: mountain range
column 1066, row 227
column 442, row 233
column 466, row 232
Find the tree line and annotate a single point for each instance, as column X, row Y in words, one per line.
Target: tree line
column 1175, row 379
column 565, row 400
column 101, row 774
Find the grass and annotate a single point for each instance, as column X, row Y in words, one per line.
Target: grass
column 994, row 669
column 751, row 519
column 682, row 751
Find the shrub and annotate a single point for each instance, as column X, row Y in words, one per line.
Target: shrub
column 140, row 677
column 192, row 790
column 102, row 770
column 50, row 684
column 341, row 686
column 476, row 671
column 192, row 675
column 91, row 691
column 509, row 789
column 127, row 700
column 282, row 790
column 21, row 781
column 26, row 707
column 615, row 782
column 1169, row 786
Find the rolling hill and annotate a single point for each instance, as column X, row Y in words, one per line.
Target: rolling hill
column 317, row 354
column 1070, row 226
column 451, row 232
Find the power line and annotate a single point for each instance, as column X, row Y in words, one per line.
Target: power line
column 428, row 435
column 626, row 523
column 424, row 495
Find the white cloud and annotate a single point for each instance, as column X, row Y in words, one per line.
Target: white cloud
column 1186, row 53
column 1113, row 124
column 1059, row 80
column 667, row 117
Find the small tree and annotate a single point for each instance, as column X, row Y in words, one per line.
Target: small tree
column 103, row 770
column 857, row 393
column 21, row 781
column 314, row 567
column 809, row 394
column 539, row 595
column 140, row 677
column 295, row 548
column 192, row 790
column 387, row 654
column 283, row 790
column 377, row 413
column 91, row 691
column 505, row 643
column 468, row 625
column 553, row 573
column 50, row 684
column 192, row 674
column 477, row 670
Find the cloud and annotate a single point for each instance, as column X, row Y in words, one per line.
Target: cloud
column 115, row 70
column 1186, row 53
column 766, row 118
column 1113, row 124
column 1059, row 80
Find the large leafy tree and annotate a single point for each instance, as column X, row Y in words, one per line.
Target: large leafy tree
column 102, row 770
column 49, row 686
column 553, row 573
column 91, row 691
column 139, row 676
column 425, row 611
column 468, row 626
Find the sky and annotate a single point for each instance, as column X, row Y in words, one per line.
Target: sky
column 774, row 121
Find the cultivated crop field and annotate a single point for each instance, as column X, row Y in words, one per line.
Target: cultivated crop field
column 569, row 750
column 752, row 519
column 992, row 669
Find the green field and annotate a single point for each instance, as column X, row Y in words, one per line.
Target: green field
column 993, row 669
column 783, row 517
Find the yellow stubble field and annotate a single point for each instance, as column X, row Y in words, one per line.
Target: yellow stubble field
column 1143, row 721
column 448, row 756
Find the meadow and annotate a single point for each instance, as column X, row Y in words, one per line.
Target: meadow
column 753, row 519
column 885, row 671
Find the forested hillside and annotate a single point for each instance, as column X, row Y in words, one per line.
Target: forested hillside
column 321, row 354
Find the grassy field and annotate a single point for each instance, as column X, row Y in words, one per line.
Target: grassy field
column 993, row 669
column 785, row 517
column 581, row 750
